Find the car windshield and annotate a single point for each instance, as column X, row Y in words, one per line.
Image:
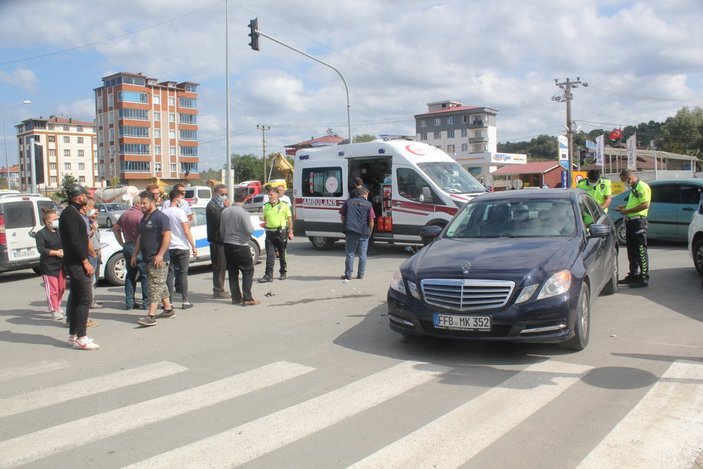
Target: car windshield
column 113, row 207
column 452, row 178
column 514, row 218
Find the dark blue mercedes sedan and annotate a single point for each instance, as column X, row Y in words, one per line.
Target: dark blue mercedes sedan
column 512, row 266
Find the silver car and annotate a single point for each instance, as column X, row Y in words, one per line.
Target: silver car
column 108, row 214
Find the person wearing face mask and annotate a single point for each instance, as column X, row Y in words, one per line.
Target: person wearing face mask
column 74, row 239
column 182, row 202
column 50, row 254
column 635, row 212
column 597, row 187
column 213, row 215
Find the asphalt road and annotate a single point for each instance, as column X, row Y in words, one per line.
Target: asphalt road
column 314, row 378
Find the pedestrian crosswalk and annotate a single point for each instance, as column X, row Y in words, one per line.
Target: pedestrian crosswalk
column 673, row 406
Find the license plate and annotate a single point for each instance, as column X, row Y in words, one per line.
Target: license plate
column 462, row 323
column 19, row 253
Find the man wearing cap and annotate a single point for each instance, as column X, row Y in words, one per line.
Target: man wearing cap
column 597, row 187
column 75, row 258
column 635, row 213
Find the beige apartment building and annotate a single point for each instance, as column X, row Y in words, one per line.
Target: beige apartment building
column 63, row 146
column 146, row 129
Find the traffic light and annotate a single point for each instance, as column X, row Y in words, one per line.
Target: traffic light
column 254, row 34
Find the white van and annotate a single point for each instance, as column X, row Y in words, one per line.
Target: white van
column 411, row 185
column 198, row 195
column 20, row 219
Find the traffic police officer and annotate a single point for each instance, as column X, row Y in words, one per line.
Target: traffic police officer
column 597, row 187
column 279, row 229
column 636, row 229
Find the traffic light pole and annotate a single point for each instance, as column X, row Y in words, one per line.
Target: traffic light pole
column 255, row 45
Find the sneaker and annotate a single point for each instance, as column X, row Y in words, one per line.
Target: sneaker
column 57, row 316
column 71, row 340
column 282, row 276
column 360, row 277
column 265, row 279
column 251, row 302
column 147, row 321
column 186, row 306
column 345, row 277
column 627, row 280
column 167, row 313
column 96, row 305
column 85, row 343
column 91, row 323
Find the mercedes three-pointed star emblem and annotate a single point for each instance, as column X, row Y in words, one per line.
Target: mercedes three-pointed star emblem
column 465, row 267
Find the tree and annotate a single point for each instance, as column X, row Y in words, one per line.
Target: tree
column 67, row 180
column 541, row 147
column 363, row 138
column 114, row 181
column 247, row 167
column 683, row 133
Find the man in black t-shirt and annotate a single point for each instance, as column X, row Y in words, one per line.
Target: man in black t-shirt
column 153, row 241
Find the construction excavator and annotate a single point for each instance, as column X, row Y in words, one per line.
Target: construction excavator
column 283, row 166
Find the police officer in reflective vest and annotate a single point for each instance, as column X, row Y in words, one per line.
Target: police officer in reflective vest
column 635, row 213
column 597, row 187
column 279, row 229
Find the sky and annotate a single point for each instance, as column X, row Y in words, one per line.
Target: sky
column 642, row 61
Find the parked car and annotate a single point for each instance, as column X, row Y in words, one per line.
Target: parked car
column 255, row 204
column 673, row 203
column 113, row 266
column 518, row 266
column 198, row 195
column 20, row 219
column 108, row 214
column 695, row 237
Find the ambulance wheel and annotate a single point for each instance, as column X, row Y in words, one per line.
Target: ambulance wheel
column 321, row 243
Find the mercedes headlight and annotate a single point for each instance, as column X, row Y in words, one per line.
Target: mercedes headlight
column 555, row 285
column 397, row 283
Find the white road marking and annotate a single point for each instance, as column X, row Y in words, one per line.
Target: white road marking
column 43, row 443
column 664, row 429
column 34, row 369
column 87, row 387
column 258, row 437
column 456, row 437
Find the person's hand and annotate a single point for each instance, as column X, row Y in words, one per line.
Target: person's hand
column 89, row 270
column 290, row 234
column 195, row 252
column 133, row 261
column 60, row 253
column 158, row 261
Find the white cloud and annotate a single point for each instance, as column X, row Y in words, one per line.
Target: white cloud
column 22, row 78
column 83, row 109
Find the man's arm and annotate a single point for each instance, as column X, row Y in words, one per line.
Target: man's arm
column 158, row 260
column 133, row 260
column 117, row 229
column 189, row 235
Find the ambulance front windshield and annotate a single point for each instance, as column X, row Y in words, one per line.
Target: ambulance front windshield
column 452, row 178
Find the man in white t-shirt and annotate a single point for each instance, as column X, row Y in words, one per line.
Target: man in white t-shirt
column 179, row 249
column 282, row 195
column 183, row 204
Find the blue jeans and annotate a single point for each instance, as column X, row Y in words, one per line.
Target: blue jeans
column 356, row 244
column 130, row 280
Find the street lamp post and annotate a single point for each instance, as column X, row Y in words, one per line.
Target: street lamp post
column 4, row 138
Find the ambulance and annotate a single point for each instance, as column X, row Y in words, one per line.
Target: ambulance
column 411, row 185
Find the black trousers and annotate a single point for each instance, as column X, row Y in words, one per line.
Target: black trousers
column 637, row 254
column 276, row 242
column 178, row 272
column 79, row 300
column 239, row 260
column 219, row 267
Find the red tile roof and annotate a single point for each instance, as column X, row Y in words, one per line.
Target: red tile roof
column 534, row 167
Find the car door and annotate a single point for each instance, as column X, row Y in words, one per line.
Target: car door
column 595, row 250
column 689, row 196
column 413, row 203
column 663, row 211
column 198, row 229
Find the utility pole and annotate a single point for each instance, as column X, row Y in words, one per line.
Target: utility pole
column 263, row 129
column 567, row 85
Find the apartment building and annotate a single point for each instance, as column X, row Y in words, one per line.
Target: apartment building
column 146, row 129
column 63, row 146
column 466, row 133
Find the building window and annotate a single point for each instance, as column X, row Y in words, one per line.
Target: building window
column 67, row 166
column 464, row 133
column 450, row 133
column 157, row 167
column 53, row 180
column 52, row 138
column 423, row 136
column 133, row 97
column 450, row 149
column 157, row 149
column 173, row 167
column 450, row 120
column 110, row 117
column 67, row 152
column 189, row 134
column 134, row 131
column 52, row 151
column 80, row 139
column 136, row 114
column 157, row 116
column 172, row 134
column 50, row 126
column 188, row 102
column 171, row 117
column 188, row 118
column 81, row 166
column 66, row 139
column 52, row 166
column 437, row 121
column 66, row 128
column 81, row 152
column 171, row 101
column 437, row 135
column 110, row 100
column 157, row 99
column 423, row 123
column 133, row 149
column 79, row 128
column 157, row 133
column 135, row 166
column 464, row 147
column 464, row 119
column 81, row 178
column 189, row 151
column 112, row 135
column 172, row 151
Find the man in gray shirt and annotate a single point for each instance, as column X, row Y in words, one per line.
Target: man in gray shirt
column 236, row 229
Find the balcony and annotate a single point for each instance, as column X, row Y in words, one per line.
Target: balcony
column 477, row 124
column 474, row 140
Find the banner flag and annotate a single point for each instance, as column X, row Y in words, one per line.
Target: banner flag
column 563, row 152
column 600, row 150
column 590, row 145
column 632, row 152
